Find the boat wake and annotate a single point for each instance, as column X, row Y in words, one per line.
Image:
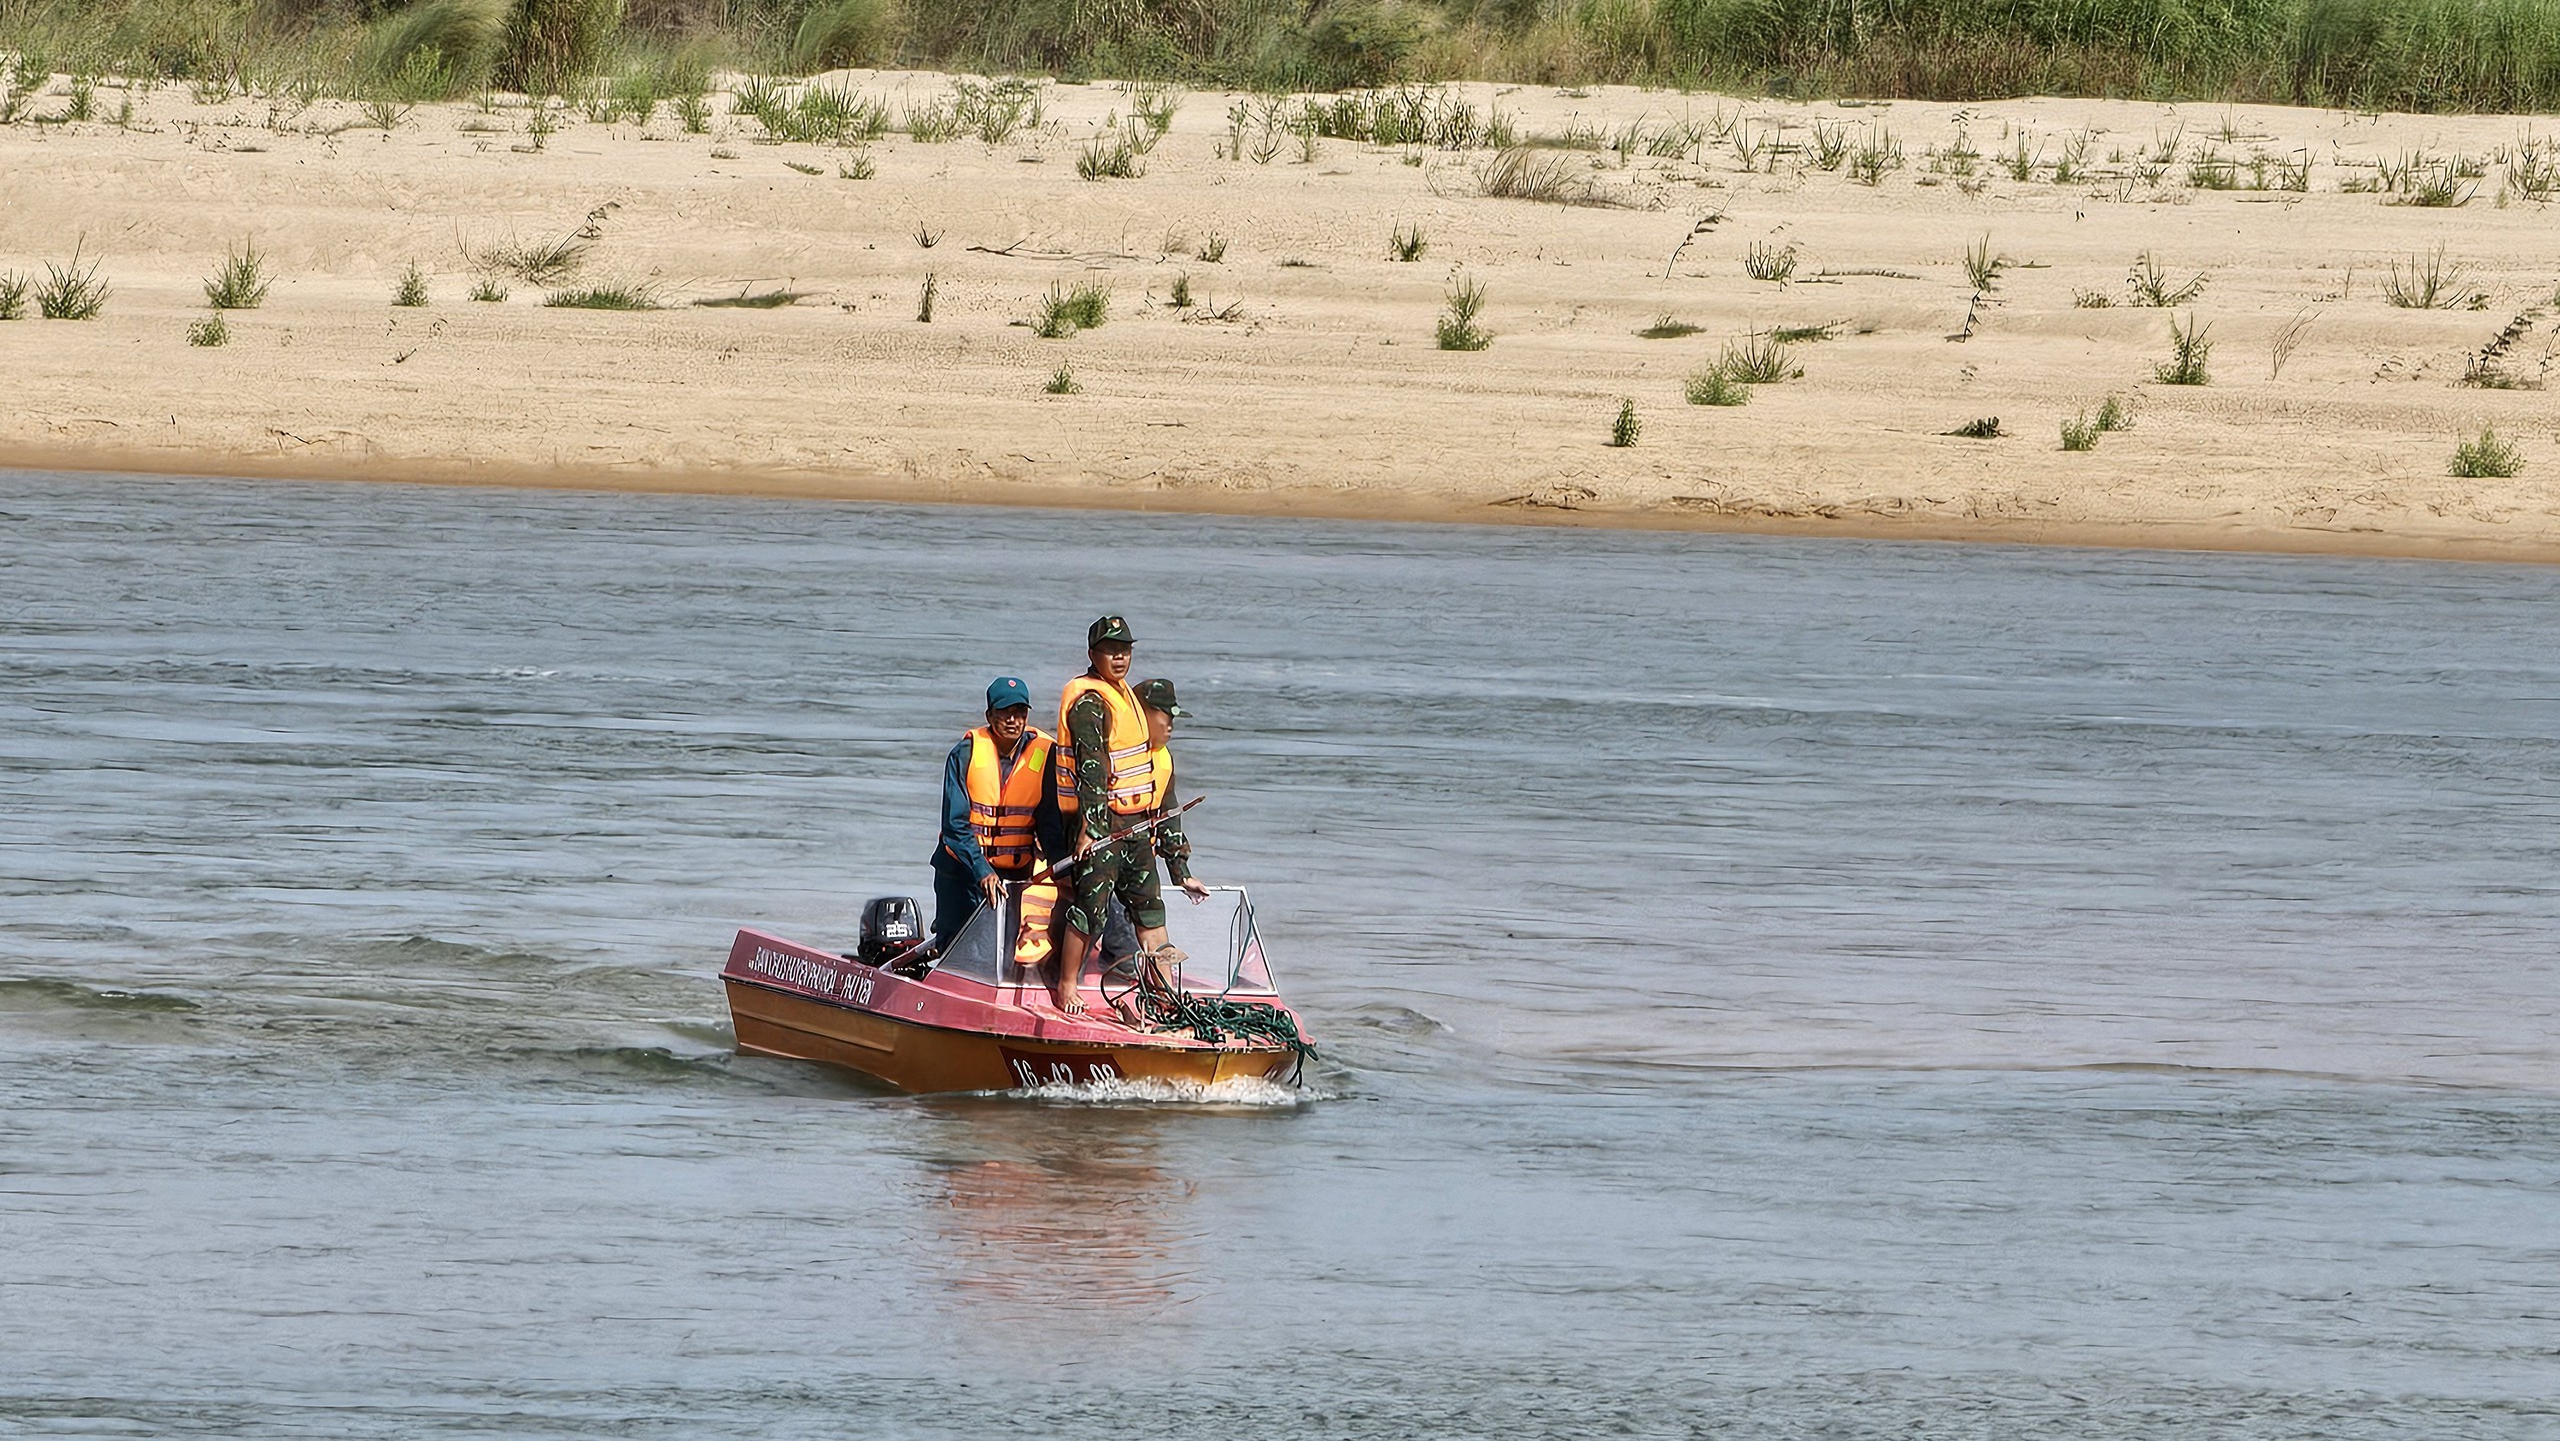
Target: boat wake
column 1124, row 1091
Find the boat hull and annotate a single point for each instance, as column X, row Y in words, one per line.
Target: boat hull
column 924, row 1058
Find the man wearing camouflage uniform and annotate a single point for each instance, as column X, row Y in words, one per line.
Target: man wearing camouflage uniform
column 1118, row 765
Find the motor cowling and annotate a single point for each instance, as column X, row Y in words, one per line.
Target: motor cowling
column 890, row 924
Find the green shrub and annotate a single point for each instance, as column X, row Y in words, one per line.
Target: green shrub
column 435, row 49
column 1364, row 42
column 412, row 289
column 2080, row 432
column 1713, row 386
column 211, row 331
column 549, row 43
column 840, row 33
column 1067, row 311
column 2486, row 458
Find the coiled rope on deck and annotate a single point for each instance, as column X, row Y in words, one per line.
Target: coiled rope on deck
column 1213, row 1020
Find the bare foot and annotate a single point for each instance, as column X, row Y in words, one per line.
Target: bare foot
column 1072, row 1003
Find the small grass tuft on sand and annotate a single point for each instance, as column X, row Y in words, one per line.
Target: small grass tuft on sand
column 1624, row 431
column 1112, row 157
column 1715, row 386
column 1063, row 381
column 1666, row 328
column 2488, row 456
column 2151, row 285
column 2080, row 432
column 241, row 283
column 1982, row 267
column 536, row 263
column 2188, row 351
column 211, row 331
column 13, row 295
column 2431, row 283
column 1759, row 358
column 1553, row 177
column 744, row 300
column 489, row 290
column 1458, row 329
column 1406, row 243
column 412, row 289
column 1774, row 263
column 1066, row 311
column 1982, row 428
column 71, row 291
column 606, row 297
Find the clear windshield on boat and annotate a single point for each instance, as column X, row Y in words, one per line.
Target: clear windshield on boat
column 1218, row 934
column 1226, row 952
column 980, row 951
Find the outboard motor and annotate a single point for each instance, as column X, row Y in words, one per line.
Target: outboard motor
column 890, row 924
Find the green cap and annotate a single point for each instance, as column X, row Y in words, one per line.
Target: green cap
column 1158, row 695
column 1110, row 627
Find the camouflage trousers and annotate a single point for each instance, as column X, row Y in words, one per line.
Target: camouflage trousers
column 1124, row 868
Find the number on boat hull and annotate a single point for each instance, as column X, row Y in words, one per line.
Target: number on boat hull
column 1029, row 1069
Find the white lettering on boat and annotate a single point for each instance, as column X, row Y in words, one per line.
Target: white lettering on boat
column 800, row 971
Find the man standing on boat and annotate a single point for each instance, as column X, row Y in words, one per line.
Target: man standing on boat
column 997, row 814
column 1113, row 771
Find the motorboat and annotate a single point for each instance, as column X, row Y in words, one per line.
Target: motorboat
column 975, row 1017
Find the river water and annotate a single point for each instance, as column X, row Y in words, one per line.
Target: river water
column 1768, row 988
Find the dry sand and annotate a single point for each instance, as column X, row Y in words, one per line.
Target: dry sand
column 1317, row 388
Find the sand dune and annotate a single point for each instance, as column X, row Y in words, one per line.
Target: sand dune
column 1305, row 378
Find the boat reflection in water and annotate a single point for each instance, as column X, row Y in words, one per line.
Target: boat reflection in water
column 980, row 1020
column 1035, row 1216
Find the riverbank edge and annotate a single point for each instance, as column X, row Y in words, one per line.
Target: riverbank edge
column 883, row 487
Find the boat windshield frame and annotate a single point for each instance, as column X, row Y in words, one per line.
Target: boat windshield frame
column 977, row 953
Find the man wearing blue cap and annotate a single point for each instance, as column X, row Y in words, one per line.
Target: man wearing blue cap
column 998, row 816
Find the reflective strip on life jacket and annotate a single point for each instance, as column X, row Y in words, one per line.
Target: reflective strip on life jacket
column 1001, row 803
column 1134, row 772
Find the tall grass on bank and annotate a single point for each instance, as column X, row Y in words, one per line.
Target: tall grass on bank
column 2459, row 55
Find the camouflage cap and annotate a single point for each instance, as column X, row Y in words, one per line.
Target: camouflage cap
column 1158, row 695
column 1109, row 628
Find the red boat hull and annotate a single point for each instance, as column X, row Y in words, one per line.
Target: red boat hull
column 953, row 1034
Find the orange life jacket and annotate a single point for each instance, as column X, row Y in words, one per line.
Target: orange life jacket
column 1000, row 804
column 1135, row 773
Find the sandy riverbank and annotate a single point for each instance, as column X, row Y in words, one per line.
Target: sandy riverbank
column 1304, row 377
